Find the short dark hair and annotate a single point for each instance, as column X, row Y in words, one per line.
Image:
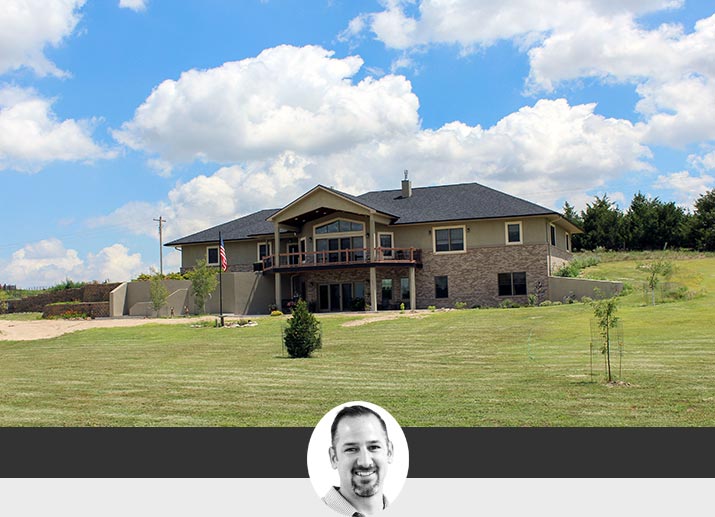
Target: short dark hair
column 354, row 411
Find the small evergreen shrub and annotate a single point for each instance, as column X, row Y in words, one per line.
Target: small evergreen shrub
column 431, row 308
column 302, row 336
column 460, row 305
column 276, row 313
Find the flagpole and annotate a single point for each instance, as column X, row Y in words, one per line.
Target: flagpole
column 220, row 281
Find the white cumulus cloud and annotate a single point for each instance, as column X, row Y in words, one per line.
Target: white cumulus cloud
column 134, row 5
column 27, row 27
column 31, row 135
column 543, row 152
column 285, row 99
column 686, row 187
column 49, row 262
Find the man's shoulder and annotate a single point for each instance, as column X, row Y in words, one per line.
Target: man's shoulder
column 335, row 501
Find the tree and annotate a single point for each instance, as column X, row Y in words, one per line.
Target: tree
column 302, row 336
column 605, row 313
column 573, row 216
column 602, row 225
column 651, row 224
column 703, row 223
column 158, row 291
column 203, row 283
column 654, row 270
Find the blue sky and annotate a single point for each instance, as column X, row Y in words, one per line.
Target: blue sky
column 113, row 113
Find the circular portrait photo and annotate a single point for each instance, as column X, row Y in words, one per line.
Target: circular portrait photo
column 358, row 459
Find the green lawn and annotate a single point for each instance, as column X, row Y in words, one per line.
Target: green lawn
column 497, row 367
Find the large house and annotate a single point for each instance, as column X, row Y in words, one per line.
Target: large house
column 432, row 246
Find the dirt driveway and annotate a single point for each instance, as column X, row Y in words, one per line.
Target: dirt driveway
column 26, row 330
column 19, row 330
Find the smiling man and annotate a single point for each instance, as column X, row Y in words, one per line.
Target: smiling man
column 361, row 452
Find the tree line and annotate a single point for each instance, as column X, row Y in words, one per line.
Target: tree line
column 648, row 224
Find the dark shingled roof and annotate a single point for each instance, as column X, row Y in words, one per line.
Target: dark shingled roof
column 242, row 228
column 451, row 203
column 427, row 204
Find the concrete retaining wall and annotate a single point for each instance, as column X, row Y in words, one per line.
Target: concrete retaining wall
column 561, row 288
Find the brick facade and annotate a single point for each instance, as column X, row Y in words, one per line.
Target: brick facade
column 472, row 276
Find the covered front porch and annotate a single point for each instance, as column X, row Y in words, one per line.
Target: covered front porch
column 325, row 233
column 350, row 288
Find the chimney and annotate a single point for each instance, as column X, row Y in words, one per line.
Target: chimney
column 406, row 187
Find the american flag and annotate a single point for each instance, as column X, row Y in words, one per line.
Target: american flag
column 222, row 254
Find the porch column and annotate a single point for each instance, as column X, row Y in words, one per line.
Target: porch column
column 373, row 289
column 276, row 262
column 371, row 240
column 413, row 290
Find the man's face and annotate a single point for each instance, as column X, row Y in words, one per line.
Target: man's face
column 361, row 454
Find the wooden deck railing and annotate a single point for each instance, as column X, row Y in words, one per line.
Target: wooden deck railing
column 354, row 256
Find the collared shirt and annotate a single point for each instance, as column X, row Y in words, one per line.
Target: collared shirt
column 335, row 501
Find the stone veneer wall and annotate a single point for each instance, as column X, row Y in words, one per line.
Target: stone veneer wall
column 87, row 293
column 91, row 309
column 340, row 276
column 473, row 276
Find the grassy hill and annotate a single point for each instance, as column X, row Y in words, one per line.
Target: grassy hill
column 495, row 367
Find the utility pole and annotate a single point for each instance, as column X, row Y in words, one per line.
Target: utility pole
column 161, row 221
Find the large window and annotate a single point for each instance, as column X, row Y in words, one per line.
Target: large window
column 553, row 234
column 513, row 233
column 441, row 287
column 335, row 249
column 384, row 240
column 405, row 288
column 212, row 256
column 449, row 239
column 386, row 292
column 512, row 284
column 339, row 226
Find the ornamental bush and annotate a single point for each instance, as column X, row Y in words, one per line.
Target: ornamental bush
column 303, row 335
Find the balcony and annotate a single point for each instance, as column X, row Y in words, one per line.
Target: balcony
column 341, row 259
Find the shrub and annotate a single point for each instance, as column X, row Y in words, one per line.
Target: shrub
column 402, row 308
column 533, row 299
column 431, row 308
column 508, row 304
column 302, row 336
column 546, row 303
column 276, row 313
column 357, row 304
column 460, row 305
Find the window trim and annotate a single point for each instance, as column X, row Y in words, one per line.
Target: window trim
column 218, row 257
column 317, row 235
column 450, row 252
column 568, row 241
column 392, row 240
column 269, row 248
column 506, row 233
column 552, row 234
